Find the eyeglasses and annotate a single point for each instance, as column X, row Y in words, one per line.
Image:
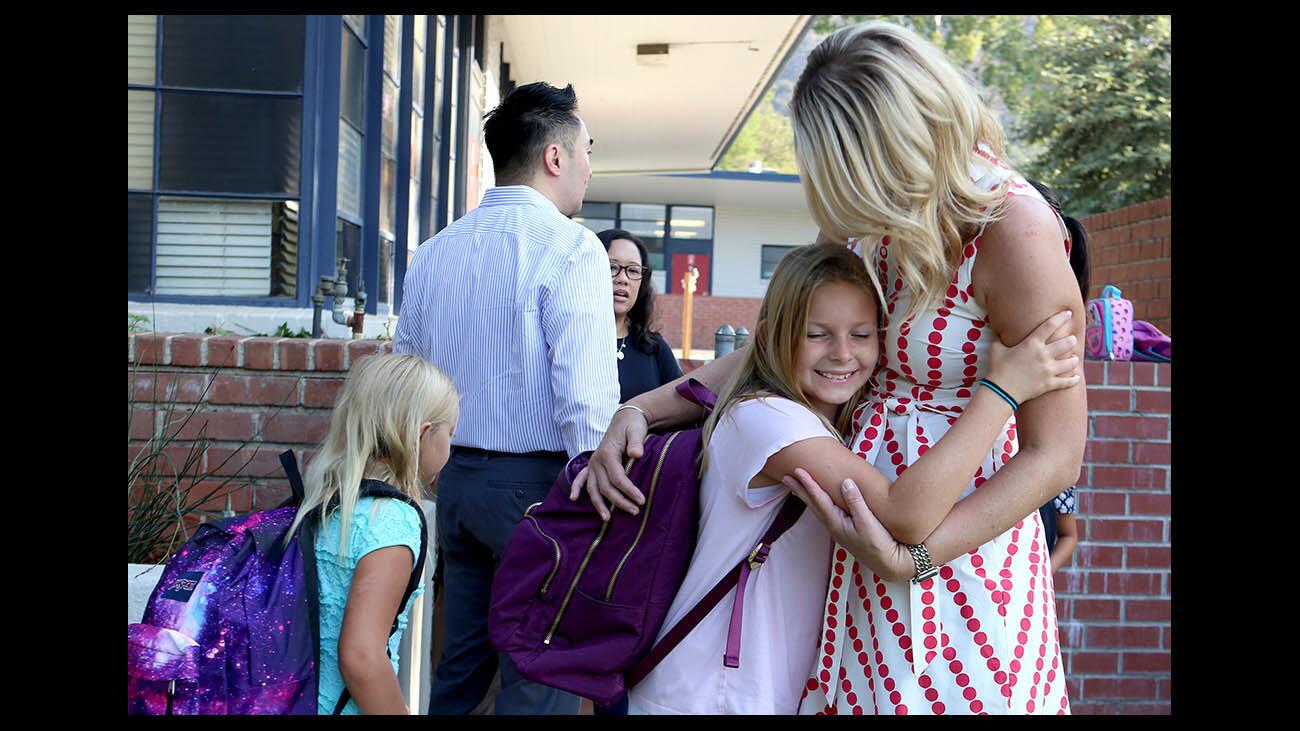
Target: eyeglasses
column 634, row 271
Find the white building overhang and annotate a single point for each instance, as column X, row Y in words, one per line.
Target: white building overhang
column 654, row 112
column 727, row 189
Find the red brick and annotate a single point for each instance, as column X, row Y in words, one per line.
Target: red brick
column 1159, row 308
column 1151, row 250
column 293, row 353
column 1137, row 688
column 150, row 387
column 1126, row 637
column 251, row 461
column 1147, row 662
column 1147, row 610
column 328, row 355
column 262, row 390
column 1096, row 503
column 1164, row 371
column 1117, row 373
column 223, row 351
column 1110, row 399
column 171, row 461
column 1134, row 478
column 1094, row 663
column 150, row 349
column 1089, row 708
column 1149, row 504
column 240, row 493
column 1094, row 372
column 1094, row 556
column 1096, row 609
column 142, row 423
column 1153, row 401
column 358, row 349
column 1098, row 529
column 1149, row 557
column 1163, row 689
column 1131, row 427
column 1144, row 374
column 321, row 392
column 1152, row 453
column 1072, row 688
column 1068, row 581
column 187, row 350
column 259, row 353
column 1166, row 248
column 1106, row 451
column 270, row 495
column 296, row 428
column 219, row 426
column 1132, row 584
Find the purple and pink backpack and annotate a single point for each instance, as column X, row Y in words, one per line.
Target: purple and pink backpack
column 578, row 602
column 233, row 625
column 1109, row 332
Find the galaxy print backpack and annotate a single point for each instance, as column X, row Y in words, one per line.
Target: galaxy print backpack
column 233, row 625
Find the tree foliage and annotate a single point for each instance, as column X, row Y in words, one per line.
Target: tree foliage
column 1085, row 100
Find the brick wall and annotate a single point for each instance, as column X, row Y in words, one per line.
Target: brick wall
column 1130, row 248
column 709, row 313
column 1112, row 600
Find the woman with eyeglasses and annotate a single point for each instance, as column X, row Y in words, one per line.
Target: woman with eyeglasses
column 645, row 361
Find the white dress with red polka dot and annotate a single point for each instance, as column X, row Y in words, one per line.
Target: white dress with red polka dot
column 981, row 636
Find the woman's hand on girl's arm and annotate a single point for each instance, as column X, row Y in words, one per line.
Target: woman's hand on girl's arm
column 857, row 530
column 604, row 474
column 377, row 586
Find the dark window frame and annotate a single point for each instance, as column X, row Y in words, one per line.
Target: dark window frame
column 762, row 254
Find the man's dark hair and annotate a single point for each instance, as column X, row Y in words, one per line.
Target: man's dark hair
column 527, row 120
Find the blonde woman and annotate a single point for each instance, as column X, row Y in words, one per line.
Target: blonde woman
column 902, row 161
column 391, row 424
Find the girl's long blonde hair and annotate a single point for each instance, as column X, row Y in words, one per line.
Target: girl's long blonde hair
column 885, row 131
column 375, row 433
column 769, row 366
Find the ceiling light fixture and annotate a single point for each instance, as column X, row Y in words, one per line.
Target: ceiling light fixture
column 656, row 54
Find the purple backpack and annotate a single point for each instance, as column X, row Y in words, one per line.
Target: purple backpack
column 233, row 625
column 577, row 602
column 1109, row 332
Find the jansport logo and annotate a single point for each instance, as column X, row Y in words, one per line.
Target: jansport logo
column 183, row 586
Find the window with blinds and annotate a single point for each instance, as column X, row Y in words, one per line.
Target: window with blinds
column 141, row 48
column 220, row 247
column 139, row 139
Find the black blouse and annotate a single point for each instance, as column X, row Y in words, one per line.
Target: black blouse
column 639, row 372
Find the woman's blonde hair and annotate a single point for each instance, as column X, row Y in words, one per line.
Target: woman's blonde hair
column 375, row 433
column 885, row 130
column 769, row 366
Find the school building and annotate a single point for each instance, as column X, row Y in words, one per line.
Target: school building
column 261, row 149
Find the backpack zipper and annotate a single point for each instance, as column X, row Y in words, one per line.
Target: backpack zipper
column 545, row 584
column 645, row 515
column 604, row 526
column 171, row 691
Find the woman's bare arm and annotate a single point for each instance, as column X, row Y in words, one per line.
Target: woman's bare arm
column 1022, row 276
column 625, row 437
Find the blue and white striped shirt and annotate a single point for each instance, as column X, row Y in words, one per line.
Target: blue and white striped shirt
column 514, row 302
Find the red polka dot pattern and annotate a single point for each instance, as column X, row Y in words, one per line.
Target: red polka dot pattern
column 983, row 632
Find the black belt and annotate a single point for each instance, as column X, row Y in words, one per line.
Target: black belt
column 475, row 451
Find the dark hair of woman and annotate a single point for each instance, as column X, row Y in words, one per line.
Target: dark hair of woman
column 1078, row 239
column 638, row 318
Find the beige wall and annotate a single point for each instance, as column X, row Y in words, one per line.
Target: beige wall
column 738, row 238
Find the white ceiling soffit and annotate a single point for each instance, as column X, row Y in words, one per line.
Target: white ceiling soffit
column 708, row 191
column 671, row 116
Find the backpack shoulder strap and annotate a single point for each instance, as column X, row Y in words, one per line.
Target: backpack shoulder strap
column 790, row 512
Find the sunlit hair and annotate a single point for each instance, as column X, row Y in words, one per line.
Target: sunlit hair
column 375, row 432
column 885, row 130
column 769, row 365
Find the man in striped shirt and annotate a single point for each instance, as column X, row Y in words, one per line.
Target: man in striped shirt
column 512, row 302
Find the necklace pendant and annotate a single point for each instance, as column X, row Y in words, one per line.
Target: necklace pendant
column 619, row 355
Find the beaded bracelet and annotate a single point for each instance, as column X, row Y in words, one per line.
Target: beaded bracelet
column 999, row 391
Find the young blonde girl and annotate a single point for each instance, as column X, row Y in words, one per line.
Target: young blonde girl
column 788, row 404
column 393, row 423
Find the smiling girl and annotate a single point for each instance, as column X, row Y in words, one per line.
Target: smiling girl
column 788, row 404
